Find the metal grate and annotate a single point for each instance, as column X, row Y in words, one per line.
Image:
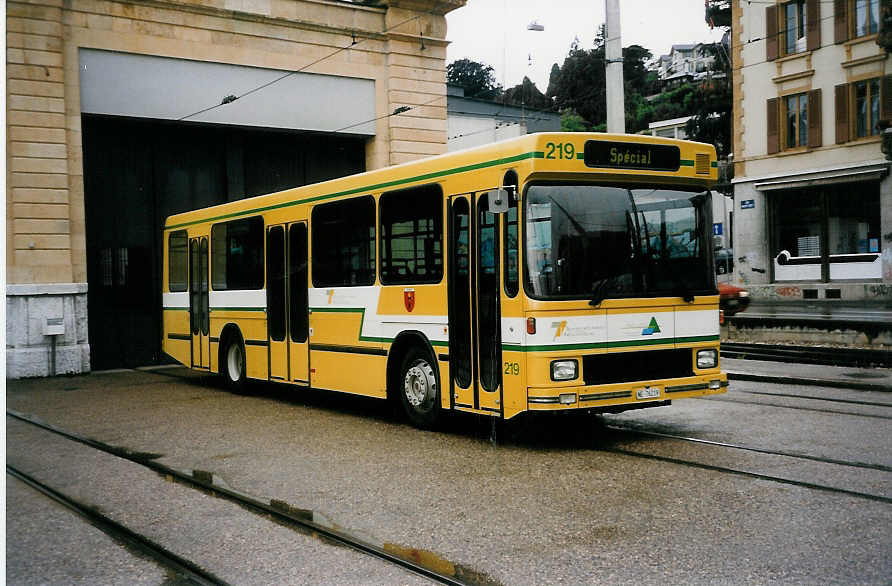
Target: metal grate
column 600, row 369
column 701, row 164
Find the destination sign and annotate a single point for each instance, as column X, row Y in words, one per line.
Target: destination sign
column 632, row 155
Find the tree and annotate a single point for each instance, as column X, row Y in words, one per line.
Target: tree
column 579, row 84
column 477, row 79
column 527, row 94
column 712, row 102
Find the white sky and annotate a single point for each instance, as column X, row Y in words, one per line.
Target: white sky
column 495, row 32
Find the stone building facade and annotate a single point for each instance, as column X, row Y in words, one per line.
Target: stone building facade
column 392, row 51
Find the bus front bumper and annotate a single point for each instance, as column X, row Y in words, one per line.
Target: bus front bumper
column 633, row 394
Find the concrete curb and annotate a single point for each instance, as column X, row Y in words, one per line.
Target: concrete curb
column 820, row 382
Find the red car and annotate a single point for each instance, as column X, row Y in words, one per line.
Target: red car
column 733, row 299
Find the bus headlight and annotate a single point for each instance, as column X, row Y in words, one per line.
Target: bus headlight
column 564, row 369
column 707, row 358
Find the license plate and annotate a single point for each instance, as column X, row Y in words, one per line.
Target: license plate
column 648, row 393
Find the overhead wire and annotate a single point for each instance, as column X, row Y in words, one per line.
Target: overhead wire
column 232, row 98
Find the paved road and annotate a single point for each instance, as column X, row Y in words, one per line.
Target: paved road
column 556, row 500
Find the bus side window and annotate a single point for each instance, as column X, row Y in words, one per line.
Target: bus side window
column 343, row 236
column 177, row 261
column 412, row 236
column 512, row 277
column 237, row 254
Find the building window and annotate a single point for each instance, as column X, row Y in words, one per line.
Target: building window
column 866, row 17
column 860, row 108
column 796, row 126
column 827, row 233
column 794, row 14
column 867, row 107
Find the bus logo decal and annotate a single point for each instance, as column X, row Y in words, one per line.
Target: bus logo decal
column 409, row 299
column 559, row 327
column 652, row 328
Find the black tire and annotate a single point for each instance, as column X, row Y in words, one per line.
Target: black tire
column 232, row 363
column 418, row 388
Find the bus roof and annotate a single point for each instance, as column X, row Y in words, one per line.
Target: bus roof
column 548, row 153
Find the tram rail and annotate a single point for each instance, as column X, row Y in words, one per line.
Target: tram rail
column 854, row 357
column 281, row 512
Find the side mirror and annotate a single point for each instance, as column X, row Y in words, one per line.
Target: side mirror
column 498, row 200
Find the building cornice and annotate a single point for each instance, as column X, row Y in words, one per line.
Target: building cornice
column 788, row 179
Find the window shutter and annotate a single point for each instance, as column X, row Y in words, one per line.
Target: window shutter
column 842, row 113
column 840, row 21
column 812, row 25
column 772, row 127
column 886, row 97
column 771, row 33
column 814, row 118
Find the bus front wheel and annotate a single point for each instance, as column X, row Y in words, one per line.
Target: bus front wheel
column 419, row 389
column 233, row 364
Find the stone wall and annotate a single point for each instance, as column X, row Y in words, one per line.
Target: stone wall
column 400, row 45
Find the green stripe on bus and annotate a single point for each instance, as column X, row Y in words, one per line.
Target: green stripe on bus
column 686, row 163
column 602, row 345
column 368, row 188
column 361, row 311
column 238, row 309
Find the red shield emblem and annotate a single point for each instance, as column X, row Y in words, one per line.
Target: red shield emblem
column 409, row 299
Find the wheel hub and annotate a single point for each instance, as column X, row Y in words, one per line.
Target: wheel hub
column 420, row 384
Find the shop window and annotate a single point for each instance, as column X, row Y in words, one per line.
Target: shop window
column 343, row 235
column 412, row 236
column 237, row 254
column 829, row 233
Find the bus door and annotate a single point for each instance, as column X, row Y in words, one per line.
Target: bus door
column 199, row 309
column 298, row 303
column 475, row 352
column 287, row 303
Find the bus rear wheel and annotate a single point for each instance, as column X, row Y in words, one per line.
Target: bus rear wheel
column 232, row 365
column 419, row 389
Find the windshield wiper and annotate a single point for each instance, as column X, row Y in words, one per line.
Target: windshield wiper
column 600, row 290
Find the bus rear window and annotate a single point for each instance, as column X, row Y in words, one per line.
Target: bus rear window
column 237, row 254
column 177, row 261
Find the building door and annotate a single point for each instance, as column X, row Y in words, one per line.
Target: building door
column 199, row 308
column 474, row 311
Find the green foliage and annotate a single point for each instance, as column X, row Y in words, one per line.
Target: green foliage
column 527, row 94
column 477, row 79
column 579, row 85
column 572, row 122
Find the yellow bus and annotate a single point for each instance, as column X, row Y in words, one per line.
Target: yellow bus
column 553, row 271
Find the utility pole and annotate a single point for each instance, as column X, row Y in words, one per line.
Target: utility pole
column 616, row 108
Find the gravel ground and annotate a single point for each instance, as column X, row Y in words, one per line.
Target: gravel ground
column 546, row 504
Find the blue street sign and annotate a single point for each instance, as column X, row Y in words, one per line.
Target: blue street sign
column 717, row 229
column 747, row 204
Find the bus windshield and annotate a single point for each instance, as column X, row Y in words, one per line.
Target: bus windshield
column 600, row 242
